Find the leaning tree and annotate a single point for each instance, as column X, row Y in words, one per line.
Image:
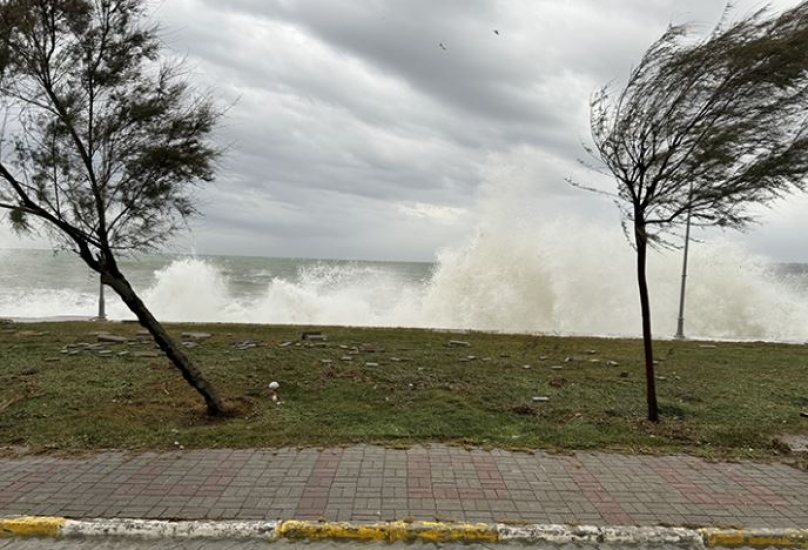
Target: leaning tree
column 103, row 140
column 707, row 128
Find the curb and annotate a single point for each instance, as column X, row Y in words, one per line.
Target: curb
column 402, row 531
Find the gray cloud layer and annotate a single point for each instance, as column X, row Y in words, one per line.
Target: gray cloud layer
column 363, row 128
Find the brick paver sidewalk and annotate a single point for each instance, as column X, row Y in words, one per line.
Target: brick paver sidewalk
column 370, row 484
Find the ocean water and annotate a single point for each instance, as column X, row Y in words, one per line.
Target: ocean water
column 553, row 283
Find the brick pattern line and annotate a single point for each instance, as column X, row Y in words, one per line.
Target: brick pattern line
column 609, row 509
column 491, row 481
column 763, row 493
column 314, row 500
column 709, row 494
column 419, row 476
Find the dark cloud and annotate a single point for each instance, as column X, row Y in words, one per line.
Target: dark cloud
column 380, row 128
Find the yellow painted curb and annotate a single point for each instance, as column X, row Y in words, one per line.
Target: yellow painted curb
column 30, row 526
column 392, row 531
column 760, row 538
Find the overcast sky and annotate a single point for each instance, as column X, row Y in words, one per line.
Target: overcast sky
column 367, row 128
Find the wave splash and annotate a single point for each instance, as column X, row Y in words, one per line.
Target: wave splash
column 554, row 284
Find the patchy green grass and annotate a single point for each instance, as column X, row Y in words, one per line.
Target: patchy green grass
column 400, row 386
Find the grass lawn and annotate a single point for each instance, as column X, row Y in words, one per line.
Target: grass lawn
column 395, row 387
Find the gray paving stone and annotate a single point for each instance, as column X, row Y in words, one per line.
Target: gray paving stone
column 370, row 483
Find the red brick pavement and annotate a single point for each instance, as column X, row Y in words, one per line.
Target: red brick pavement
column 366, row 483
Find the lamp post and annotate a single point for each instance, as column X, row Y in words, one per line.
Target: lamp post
column 102, row 314
column 680, row 325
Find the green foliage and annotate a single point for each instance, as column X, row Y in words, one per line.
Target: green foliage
column 709, row 127
column 19, row 221
column 111, row 139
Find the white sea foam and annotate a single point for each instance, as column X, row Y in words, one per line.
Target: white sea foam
column 555, row 283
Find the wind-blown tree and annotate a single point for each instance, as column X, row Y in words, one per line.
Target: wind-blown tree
column 705, row 127
column 103, row 142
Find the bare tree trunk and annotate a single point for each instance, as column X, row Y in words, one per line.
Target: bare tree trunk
column 645, row 306
column 191, row 374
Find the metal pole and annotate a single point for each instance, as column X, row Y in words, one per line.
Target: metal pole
column 680, row 325
column 102, row 315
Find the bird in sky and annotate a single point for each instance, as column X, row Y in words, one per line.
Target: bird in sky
column 496, row 32
column 442, row 47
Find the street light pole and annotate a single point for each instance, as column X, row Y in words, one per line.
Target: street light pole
column 102, row 314
column 680, row 325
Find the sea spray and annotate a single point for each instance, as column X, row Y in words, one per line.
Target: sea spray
column 549, row 279
column 543, row 259
column 190, row 289
column 343, row 293
column 583, row 282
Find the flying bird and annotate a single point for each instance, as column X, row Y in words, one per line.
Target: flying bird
column 496, row 32
column 442, row 47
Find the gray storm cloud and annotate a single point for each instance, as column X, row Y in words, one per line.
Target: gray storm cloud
column 364, row 128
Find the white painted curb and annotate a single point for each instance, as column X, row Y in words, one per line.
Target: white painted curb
column 267, row 531
column 153, row 529
column 588, row 534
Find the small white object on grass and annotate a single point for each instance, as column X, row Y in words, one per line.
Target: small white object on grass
column 273, row 395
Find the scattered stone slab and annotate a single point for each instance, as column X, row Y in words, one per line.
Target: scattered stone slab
column 313, row 335
column 458, row 344
column 542, row 357
column 795, row 444
column 612, row 363
column 370, row 348
column 371, row 364
column 707, row 346
column 52, row 359
column 34, row 333
column 141, row 354
column 557, row 367
column 246, row 344
column 111, row 338
column 195, row 336
column 804, row 414
column 541, row 399
column 105, row 352
column 326, row 361
column 285, row 344
column 190, row 344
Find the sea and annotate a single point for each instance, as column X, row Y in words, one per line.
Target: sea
column 548, row 285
